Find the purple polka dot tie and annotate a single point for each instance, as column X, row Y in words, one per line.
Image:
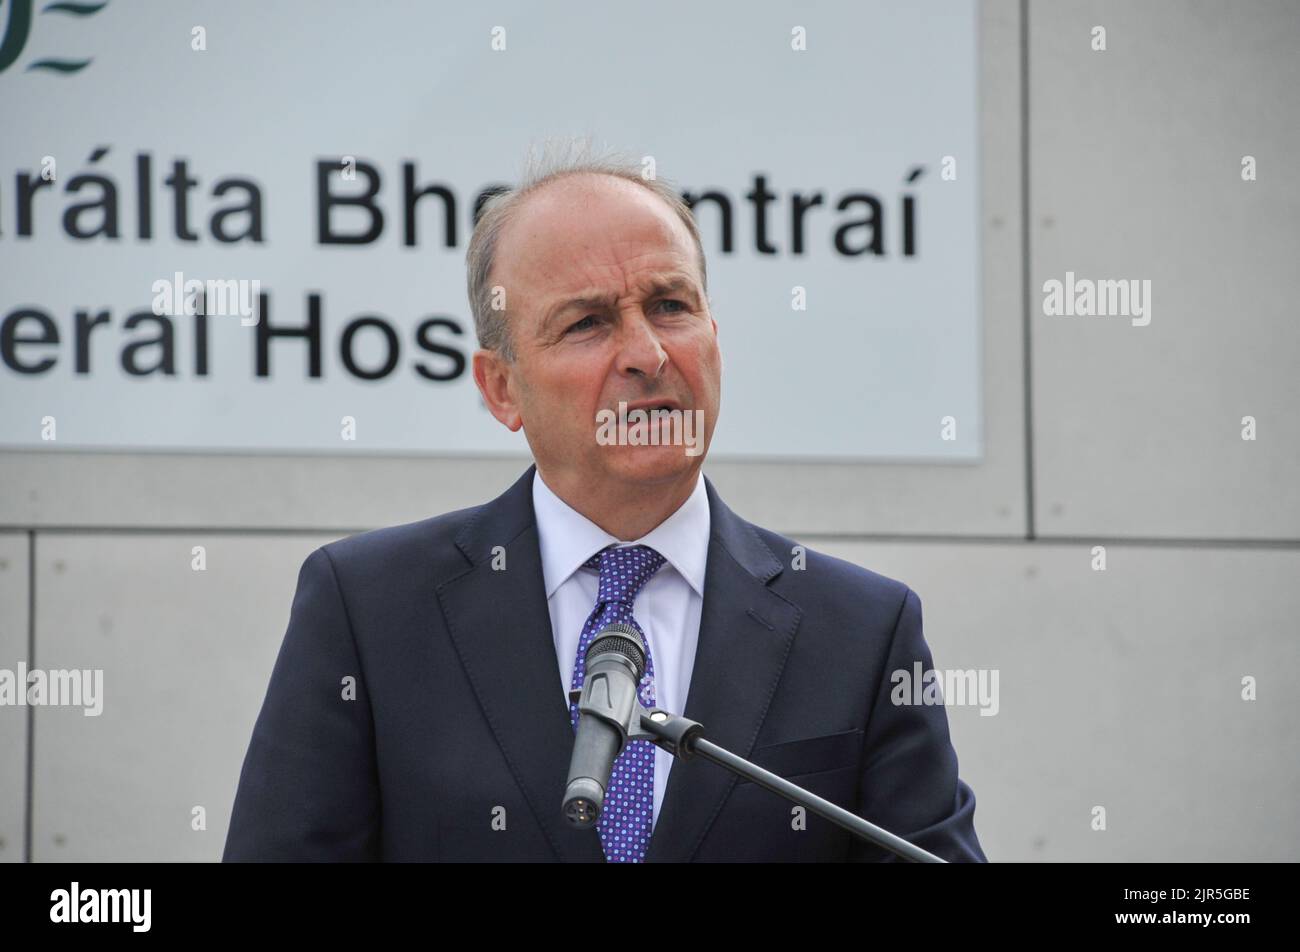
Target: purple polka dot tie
column 625, row 820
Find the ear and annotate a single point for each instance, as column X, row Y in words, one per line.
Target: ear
column 492, row 374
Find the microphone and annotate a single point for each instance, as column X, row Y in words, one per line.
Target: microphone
column 614, row 664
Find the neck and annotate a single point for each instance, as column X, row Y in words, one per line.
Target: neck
column 627, row 512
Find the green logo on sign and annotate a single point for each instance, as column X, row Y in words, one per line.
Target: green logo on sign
column 19, row 25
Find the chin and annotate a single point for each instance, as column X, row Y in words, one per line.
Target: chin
column 651, row 463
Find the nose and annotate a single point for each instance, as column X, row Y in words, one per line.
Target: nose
column 640, row 353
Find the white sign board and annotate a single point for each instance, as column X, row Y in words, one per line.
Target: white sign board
column 328, row 157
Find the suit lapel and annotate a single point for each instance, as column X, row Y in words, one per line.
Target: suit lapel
column 746, row 631
column 501, row 627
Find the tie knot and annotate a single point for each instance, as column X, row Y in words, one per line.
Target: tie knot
column 624, row 570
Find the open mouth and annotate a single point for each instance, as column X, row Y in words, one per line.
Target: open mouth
column 650, row 407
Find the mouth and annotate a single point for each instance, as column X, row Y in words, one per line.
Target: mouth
column 654, row 405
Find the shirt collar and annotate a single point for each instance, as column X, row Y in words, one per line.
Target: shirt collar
column 567, row 538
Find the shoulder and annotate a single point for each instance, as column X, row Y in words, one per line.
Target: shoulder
column 412, row 548
column 812, row 577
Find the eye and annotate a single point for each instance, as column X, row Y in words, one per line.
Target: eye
column 680, row 304
column 582, row 324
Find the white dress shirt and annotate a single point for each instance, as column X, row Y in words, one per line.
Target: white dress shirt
column 667, row 608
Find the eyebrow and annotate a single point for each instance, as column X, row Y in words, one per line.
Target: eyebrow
column 658, row 288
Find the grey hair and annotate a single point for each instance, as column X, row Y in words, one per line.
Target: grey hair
column 556, row 159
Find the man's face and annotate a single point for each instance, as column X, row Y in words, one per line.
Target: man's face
column 605, row 305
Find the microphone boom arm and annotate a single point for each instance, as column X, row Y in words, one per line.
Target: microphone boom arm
column 683, row 738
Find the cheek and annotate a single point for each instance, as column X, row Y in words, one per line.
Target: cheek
column 705, row 370
column 567, row 382
column 573, row 396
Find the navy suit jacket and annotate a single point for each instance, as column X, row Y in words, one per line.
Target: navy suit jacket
column 456, row 742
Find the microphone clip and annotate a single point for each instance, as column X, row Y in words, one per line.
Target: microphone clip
column 664, row 729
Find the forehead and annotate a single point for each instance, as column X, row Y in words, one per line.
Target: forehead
column 590, row 232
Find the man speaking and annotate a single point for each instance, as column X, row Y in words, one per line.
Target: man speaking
column 420, row 706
